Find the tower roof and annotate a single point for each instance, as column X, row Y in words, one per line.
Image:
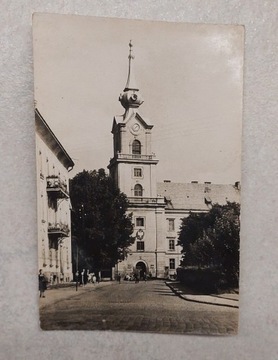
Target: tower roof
column 130, row 98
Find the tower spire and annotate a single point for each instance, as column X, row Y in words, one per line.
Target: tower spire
column 130, row 98
column 130, row 83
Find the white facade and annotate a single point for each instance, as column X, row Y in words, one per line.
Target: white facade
column 53, row 204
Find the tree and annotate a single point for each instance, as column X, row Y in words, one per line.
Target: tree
column 212, row 240
column 99, row 221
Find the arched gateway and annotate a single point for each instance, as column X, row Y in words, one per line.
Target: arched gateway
column 141, row 269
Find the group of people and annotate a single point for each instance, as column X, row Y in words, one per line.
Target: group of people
column 134, row 277
column 84, row 277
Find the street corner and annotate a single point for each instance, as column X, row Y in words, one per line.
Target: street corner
column 226, row 300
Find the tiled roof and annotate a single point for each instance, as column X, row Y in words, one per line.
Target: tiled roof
column 196, row 196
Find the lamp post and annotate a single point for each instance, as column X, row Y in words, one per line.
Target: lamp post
column 155, row 263
column 77, row 272
column 81, row 216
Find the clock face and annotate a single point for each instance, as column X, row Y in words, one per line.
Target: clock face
column 136, row 127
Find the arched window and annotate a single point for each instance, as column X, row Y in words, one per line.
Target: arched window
column 138, row 190
column 136, row 147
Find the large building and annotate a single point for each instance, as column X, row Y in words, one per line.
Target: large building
column 53, row 204
column 157, row 207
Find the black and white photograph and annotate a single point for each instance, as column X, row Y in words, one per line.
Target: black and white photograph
column 138, row 156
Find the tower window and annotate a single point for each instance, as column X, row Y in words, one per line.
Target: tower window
column 137, row 172
column 172, row 264
column 171, row 225
column 172, row 244
column 140, row 246
column 136, row 147
column 138, row 190
column 140, row 221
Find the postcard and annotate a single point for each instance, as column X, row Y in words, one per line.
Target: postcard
column 138, row 150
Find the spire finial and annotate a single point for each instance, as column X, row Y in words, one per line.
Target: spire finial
column 130, row 83
column 130, row 56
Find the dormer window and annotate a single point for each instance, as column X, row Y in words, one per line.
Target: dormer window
column 136, row 147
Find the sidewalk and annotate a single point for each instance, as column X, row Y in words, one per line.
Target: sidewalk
column 229, row 300
column 54, row 294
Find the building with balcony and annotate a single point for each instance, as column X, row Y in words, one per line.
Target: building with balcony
column 157, row 208
column 53, row 204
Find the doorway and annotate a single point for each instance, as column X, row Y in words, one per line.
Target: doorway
column 141, row 269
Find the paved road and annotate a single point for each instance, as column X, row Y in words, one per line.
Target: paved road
column 150, row 306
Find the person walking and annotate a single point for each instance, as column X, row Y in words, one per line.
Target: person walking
column 42, row 283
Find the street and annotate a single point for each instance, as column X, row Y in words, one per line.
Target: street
column 147, row 306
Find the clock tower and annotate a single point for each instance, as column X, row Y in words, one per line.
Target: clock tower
column 133, row 168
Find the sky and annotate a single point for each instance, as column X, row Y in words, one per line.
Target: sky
column 190, row 76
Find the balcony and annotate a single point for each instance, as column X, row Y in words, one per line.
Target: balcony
column 58, row 229
column 56, row 187
column 133, row 158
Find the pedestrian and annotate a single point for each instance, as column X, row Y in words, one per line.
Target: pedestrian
column 82, row 277
column 145, row 277
column 94, row 279
column 51, row 279
column 61, row 278
column 119, row 278
column 42, row 283
column 85, row 277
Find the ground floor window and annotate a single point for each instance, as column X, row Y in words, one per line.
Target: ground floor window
column 140, row 246
column 172, row 264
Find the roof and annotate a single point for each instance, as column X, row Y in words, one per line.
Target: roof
column 44, row 131
column 197, row 196
column 130, row 114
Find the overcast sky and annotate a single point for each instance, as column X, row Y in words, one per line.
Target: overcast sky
column 190, row 77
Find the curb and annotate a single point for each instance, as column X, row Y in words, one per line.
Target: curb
column 184, row 297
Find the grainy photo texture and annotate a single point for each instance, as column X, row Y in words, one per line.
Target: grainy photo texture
column 138, row 147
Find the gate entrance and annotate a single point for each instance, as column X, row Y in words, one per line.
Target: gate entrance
column 141, row 268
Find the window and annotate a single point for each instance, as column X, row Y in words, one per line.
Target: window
column 172, row 264
column 138, row 190
column 172, row 244
column 137, row 172
column 136, row 147
column 140, row 221
column 171, row 225
column 140, row 246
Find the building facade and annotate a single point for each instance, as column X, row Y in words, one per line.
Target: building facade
column 157, row 208
column 53, row 204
